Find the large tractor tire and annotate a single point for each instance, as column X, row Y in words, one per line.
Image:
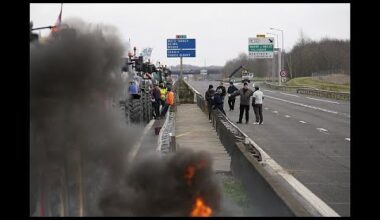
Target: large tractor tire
column 135, row 111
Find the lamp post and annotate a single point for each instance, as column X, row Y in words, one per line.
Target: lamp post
column 282, row 50
column 282, row 38
column 273, row 62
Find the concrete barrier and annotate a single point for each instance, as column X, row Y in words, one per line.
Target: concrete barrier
column 273, row 191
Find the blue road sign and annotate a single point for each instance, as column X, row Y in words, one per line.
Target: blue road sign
column 173, row 44
column 181, row 53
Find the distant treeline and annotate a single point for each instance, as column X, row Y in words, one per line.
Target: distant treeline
column 305, row 58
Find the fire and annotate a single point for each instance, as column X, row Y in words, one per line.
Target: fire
column 200, row 209
column 189, row 174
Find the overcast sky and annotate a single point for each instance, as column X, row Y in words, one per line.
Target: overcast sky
column 221, row 30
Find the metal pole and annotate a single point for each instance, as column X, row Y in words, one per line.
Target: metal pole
column 279, row 67
column 283, row 48
column 273, row 67
column 181, row 70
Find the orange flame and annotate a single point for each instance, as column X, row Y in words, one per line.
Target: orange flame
column 200, row 209
column 189, row 174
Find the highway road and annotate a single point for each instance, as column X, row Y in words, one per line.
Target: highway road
column 308, row 136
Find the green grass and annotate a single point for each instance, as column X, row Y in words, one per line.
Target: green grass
column 309, row 82
column 235, row 190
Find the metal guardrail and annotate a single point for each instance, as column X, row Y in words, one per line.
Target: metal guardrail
column 284, row 88
column 311, row 91
column 259, row 167
column 167, row 133
column 325, row 93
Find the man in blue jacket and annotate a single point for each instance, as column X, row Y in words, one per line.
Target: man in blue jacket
column 218, row 101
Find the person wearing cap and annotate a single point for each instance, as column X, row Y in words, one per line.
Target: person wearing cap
column 209, row 95
column 218, row 101
column 245, row 94
column 257, row 104
column 231, row 101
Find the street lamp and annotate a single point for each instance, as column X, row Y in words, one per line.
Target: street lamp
column 276, row 37
column 282, row 37
column 282, row 50
column 273, row 63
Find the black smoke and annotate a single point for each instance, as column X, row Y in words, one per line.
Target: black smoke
column 157, row 186
column 74, row 129
column 75, row 77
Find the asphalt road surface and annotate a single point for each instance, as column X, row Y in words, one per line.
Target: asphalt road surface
column 308, row 136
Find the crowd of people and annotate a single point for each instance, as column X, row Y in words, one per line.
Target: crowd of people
column 161, row 98
column 215, row 100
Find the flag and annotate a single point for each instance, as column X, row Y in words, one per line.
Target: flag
column 58, row 22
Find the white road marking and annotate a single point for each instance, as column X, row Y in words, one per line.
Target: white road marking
column 287, row 116
column 268, row 91
column 289, row 94
column 322, row 100
column 266, row 108
column 303, row 105
column 137, row 146
column 275, row 112
column 303, row 122
column 322, row 130
column 347, row 139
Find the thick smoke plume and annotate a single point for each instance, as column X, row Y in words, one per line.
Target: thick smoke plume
column 74, row 77
column 77, row 138
column 159, row 187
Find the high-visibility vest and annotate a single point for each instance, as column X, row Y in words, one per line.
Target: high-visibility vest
column 163, row 93
column 170, row 98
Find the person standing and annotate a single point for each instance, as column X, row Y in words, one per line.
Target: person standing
column 257, row 104
column 245, row 94
column 163, row 92
column 231, row 101
column 218, row 101
column 169, row 101
column 156, row 99
column 223, row 89
column 209, row 95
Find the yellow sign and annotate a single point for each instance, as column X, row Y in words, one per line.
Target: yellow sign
column 260, row 35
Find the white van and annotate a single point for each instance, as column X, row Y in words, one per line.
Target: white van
column 246, row 76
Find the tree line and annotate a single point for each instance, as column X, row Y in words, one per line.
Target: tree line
column 305, row 58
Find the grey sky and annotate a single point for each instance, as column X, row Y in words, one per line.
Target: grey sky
column 221, row 30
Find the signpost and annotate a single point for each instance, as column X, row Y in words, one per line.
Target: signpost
column 180, row 47
column 260, row 47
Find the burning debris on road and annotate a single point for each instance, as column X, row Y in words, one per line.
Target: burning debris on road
column 160, row 187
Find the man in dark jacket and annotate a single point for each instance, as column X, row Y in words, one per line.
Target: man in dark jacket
column 218, row 102
column 156, row 100
column 231, row 101
column 209, row 98
column 245, row 95
column 223, row 94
